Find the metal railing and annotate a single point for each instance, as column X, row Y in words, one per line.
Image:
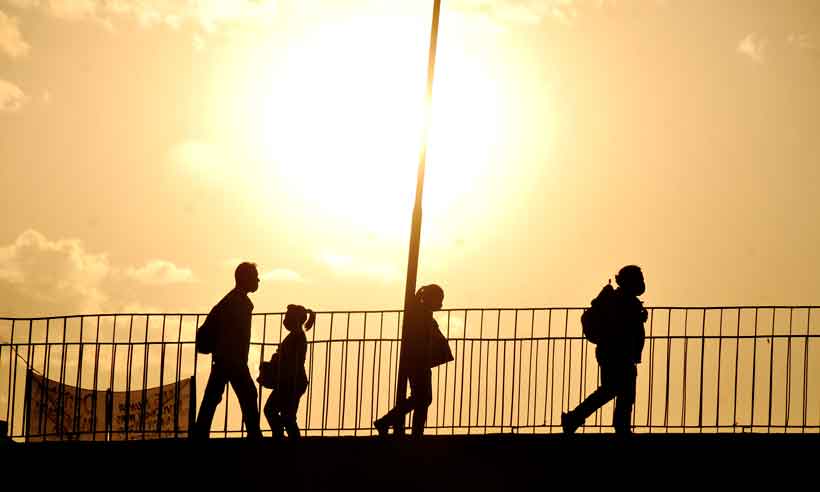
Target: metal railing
column 704, row 369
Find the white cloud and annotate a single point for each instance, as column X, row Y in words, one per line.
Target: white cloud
column 802, row 41
column 282, row 275
column 349, row 266
column 55, row 274
column 11, row 40
column 12, row 97
column 755, row 47
column 208, row 15
column 159, row 272
column 40, row 277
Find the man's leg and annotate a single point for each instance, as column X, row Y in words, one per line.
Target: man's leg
column 210, row 400
column 573, row 419
column 246, row 394
column 625, row 399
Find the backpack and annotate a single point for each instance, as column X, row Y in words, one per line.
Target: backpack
column 206, row 334
column 596, row 318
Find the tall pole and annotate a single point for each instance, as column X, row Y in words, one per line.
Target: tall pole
column 415, row 229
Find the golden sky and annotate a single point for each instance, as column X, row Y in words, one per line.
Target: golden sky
column 147, row 146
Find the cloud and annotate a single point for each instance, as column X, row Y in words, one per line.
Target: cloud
column 755, row 47
column 55, row 274
column 41, row 277
column 209, row 15
column 282, row 275
column 801, row 41
column 160, row 272
column 11, row 40
column 12, row 97
column 349, row 266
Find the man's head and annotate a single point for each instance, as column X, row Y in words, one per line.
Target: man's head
column 247, row 277
column 630, row 280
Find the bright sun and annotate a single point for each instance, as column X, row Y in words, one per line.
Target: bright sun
column 341, row 115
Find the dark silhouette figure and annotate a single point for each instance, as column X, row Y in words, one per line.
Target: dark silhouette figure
column 289, row 380
column 618, row 351
column 423, row 348
column 231, row 318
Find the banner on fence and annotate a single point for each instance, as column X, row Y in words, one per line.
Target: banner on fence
column 59, row 412
column 153, row 413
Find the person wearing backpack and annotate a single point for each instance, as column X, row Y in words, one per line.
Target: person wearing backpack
column 288, row 379
column 615, row 324
column 226, row 334
column 423, row 347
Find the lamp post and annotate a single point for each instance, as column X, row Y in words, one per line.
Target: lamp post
column 415, row 228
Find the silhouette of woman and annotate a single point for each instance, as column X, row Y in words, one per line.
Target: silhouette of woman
column 289, row 378
column 423, row 347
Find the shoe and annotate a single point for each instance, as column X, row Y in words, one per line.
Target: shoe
column 381, row 427
column 568, row 423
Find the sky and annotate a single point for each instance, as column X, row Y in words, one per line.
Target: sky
column 146, row 147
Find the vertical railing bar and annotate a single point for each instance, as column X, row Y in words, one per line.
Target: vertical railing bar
column 78, row 381
column 374, row 390
column 702, row 350
column 178, row 376
column 161, row 374
column 10, row 401
column 582, row 380
column 130, row 365
column 31, row 360
column 720, row 357
column 455, row 373
column 529, row 369
column 515, row 354
column 771, row 371
column 61, row 398
column 668, row 357
column 737, row 361
column 551, row 368
column 564, row 363
column 463, row 363
column 651, row 369
column 470, row 386
column 789, row 369
column 495, row 399
column 535, row 393
column 326, row 392
column 343, row 370
column 685, row 367
column 479, row 385
column 144, row 377
column 262, row 359
column 806, row 371
column 358, row 368
column 96, row 382
column 46, row 376
column 754, row 373
column 310, row 386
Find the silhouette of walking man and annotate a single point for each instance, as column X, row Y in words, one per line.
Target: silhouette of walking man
column 424, row 348
column 231, row 328
column 618, row 351
column 290, row 380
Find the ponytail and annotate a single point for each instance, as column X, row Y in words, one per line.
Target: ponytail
column 311, row 320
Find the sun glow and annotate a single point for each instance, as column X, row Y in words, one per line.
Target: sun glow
column 338, row 120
